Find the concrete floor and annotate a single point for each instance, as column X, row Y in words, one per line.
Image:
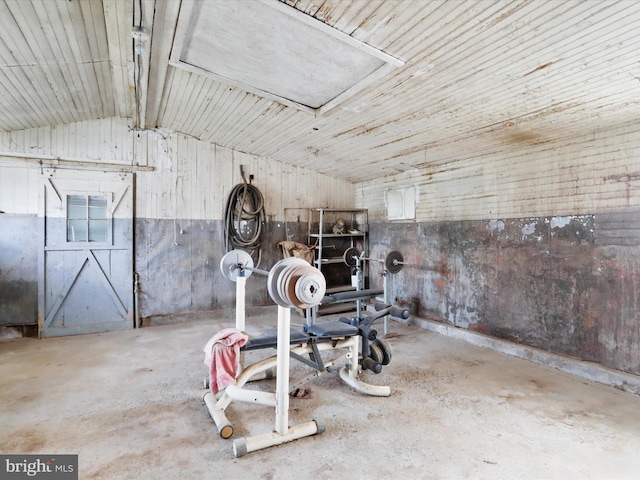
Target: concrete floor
column 129, row 404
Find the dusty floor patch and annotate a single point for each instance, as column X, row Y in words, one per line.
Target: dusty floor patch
column 129, row 403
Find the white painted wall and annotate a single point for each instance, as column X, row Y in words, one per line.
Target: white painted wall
column 18, row 190
column 598, row 172
column 189, row 179
column 192, row 180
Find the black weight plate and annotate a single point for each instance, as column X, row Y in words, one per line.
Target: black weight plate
column 376, row 353
column 350, row 256
column 386, row 350
column 393, row 262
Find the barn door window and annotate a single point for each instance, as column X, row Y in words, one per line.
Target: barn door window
column 87, row 218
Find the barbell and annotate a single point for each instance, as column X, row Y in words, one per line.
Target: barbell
column 393, row 262
column 292, row 282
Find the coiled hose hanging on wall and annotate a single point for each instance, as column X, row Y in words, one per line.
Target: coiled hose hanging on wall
column 244, row 220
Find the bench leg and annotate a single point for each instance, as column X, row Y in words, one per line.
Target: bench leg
column 349, row 374
column 243, row 446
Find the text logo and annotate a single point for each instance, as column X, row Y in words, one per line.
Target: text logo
column 46, row 467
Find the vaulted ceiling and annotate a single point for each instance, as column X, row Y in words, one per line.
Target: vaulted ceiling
column 357, row 89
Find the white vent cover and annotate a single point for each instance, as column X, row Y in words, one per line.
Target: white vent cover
column 401, row 203
column 273, row 50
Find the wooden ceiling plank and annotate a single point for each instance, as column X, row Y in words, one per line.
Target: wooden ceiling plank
column 402, row 21
column 163, row 31
column 118, row 24
column 284, row 121
column 217, row 122
column 516, row 66
column 199, row 108
column 82, row 60
column 177, row 99
column 227, row 135
column 93, row 20
column 377, row 21
column 220, row 111
column 190, row 99
column 353, row 16
column 209, row 111
column 163, row 117
column 475, row 57
column 65, row 69
column 34, row 67
column 15, row 101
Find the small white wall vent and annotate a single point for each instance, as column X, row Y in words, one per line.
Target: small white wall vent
column 401, row 203
column 273, row 50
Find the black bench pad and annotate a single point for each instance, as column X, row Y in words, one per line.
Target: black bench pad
column 332, row 329
column 269, row 338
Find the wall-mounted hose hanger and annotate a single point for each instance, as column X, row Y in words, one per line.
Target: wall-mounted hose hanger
column 244, row 219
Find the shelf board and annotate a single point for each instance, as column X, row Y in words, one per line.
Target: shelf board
column 354, row 210
column 336, row 235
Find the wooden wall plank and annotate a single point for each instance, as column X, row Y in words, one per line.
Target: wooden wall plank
column 586, row 174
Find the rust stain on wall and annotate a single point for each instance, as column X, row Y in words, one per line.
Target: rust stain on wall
column 524, row 137
column 628, row 177
column 504, row 16
column 541, row 67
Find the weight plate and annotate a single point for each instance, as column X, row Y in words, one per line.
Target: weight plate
column 310, row 287
column 277, row 274
column 350, row 256
column 273, row 280
column 286, row 278
column 386, row 350
column 376, row 353
column 394, row 262
column 272, row 286
column 230, row 262
column 287, row 286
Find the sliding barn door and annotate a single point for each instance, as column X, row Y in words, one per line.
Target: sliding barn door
column 86, row 259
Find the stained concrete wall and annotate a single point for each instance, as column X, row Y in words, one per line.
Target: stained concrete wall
column 18, row 269
column 569, row 285
column 178, row 266
column 178, row 263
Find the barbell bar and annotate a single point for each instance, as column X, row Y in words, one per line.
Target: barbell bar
column 393, row 262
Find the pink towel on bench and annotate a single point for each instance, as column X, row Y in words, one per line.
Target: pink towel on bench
column 222, row 356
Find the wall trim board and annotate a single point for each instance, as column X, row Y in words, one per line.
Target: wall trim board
column 50, row 161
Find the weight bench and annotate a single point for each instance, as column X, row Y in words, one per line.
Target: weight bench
column 356, row 335
column 294, row 284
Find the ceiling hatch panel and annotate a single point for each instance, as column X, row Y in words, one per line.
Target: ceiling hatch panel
column 276, row 51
